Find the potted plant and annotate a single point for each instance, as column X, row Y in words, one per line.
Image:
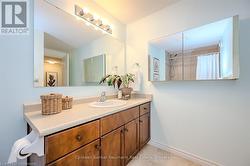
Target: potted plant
column 121, row 82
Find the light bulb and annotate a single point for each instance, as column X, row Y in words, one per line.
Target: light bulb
column 51, row 62
column 96, row 17
column 85, row 10
column 104, row 21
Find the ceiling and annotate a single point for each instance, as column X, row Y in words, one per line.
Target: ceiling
column 53, row 43
column 128, row 11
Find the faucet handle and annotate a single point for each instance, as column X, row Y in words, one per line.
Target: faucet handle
column 103, row 97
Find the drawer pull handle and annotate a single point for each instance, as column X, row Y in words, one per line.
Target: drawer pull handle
column 140, row 121
column 126, row 129
column 79, row 137
column 145, row 108
column 98, row 147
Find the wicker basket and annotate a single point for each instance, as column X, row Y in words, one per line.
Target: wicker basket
column 51, row 104
column 67, row 102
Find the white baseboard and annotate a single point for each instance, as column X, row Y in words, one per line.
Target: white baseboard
column 186, row 155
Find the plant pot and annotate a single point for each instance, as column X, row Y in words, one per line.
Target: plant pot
column 126, row 92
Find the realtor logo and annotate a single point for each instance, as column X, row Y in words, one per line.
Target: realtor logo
column 14, row 17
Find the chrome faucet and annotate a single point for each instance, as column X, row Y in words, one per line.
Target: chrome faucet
column 103, row 97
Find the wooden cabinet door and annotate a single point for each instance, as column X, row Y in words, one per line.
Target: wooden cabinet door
column 131, row 143
column 86, row 156
column 112, row 148
column 144, row 129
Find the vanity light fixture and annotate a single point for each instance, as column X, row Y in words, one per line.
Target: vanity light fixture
column 52, row 62
column 90, row 19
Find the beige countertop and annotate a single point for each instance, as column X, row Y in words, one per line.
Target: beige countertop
column 79, row 114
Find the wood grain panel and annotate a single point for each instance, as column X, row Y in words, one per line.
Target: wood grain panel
column 112, row 150
column 129, row 115
column 60, row 144
column 112, row 122
column 131, row 143
column 85, row 156
column 145, row 108
column 144, row 129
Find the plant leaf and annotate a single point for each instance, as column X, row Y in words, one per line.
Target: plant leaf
column 104, row 79
column 119, row 82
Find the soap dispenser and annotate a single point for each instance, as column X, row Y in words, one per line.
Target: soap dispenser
column 119, row 94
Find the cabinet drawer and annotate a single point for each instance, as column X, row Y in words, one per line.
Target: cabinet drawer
column 144, row 108
column 62, row 143
column 114, row 121
column 87, row 155
column 129, row 115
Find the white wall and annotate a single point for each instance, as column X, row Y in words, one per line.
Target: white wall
column 210, row 119
column 113, row 49
column 16, row 87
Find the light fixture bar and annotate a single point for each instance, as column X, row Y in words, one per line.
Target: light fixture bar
column 89, row 18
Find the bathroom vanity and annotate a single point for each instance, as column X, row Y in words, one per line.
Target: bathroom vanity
column 88, row 136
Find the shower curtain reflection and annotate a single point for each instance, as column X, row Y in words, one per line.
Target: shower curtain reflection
column 208, row 67
column 196, row 64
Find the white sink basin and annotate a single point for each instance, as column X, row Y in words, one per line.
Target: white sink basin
column 108, row 103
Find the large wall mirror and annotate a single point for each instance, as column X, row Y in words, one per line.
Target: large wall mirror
column 67, row 52
column 209, row 52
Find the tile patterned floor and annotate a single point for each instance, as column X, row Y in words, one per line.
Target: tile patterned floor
column 152, row 156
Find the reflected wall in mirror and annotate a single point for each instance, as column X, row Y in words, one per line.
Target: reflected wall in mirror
column 209, row 52
column 67, row 52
